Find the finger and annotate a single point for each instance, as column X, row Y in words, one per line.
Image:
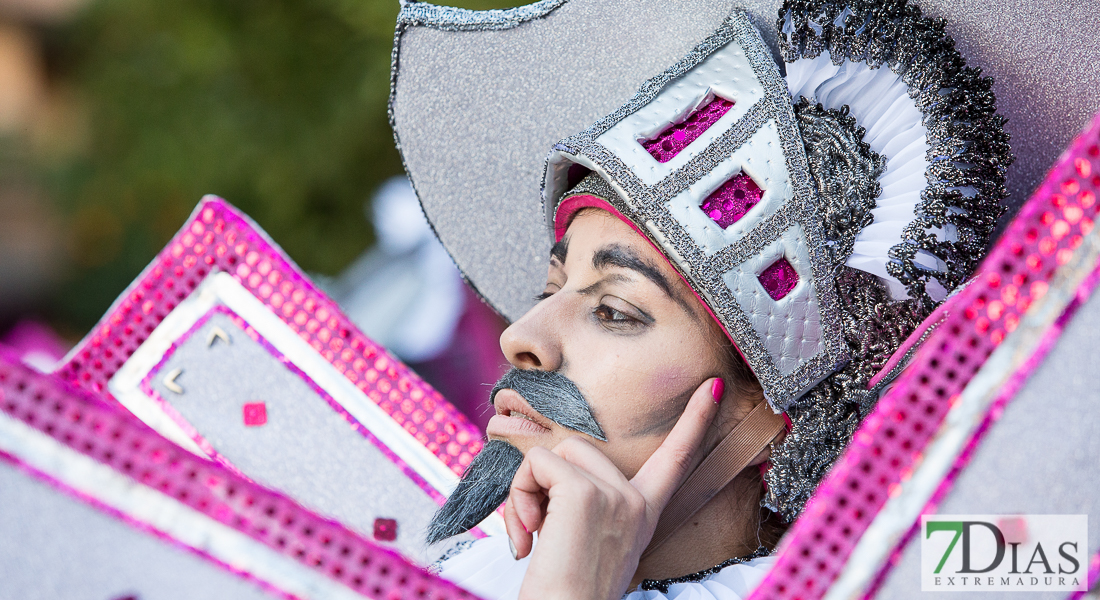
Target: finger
column 580, row 453
column 540, row 470
column 522, row 540
column 667, row 467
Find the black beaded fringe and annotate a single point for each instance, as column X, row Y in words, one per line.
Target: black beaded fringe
column 662, row 585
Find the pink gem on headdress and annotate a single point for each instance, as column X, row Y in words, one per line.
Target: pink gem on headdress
column 671, row 141
column 732, row 200
column 779, row 279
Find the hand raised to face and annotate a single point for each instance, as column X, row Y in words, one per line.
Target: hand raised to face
column 593, row 522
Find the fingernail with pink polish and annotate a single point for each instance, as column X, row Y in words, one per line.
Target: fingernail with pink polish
column 716, row 390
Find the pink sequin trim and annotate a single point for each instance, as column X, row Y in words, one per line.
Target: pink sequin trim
column 219, row 237
column 88, row 425
column 673, row 140
column 779, row 279
column 727, row 204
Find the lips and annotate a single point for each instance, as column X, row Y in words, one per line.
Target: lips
column 515, row 417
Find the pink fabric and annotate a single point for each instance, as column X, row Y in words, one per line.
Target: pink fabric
column 779, row 279
column 36, row 342
column 1007, row 392
column 673, row 140
column 727, row 204
column 1094, row 577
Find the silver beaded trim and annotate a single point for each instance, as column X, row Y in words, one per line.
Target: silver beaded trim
column 447, row 18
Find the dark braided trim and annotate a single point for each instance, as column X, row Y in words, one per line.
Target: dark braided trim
column 825, row 418
column 845, row 170
column 662, row 585
column 968, row 145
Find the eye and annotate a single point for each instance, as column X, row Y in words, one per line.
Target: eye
column 606, row 313
column 619, row 315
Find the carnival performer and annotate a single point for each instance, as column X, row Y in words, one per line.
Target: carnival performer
column 739, row 263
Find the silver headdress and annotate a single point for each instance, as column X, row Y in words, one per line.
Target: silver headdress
column 820, row 216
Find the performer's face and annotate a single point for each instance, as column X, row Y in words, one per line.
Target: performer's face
column 619, row 322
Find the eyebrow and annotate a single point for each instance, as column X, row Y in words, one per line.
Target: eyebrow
column 560, row 249
column 619, row 256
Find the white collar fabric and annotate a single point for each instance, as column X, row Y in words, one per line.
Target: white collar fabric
column 486, row 569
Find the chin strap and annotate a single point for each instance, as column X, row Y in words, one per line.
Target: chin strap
column 728, row 458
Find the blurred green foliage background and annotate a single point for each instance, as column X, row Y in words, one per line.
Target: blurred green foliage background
column 279, row 106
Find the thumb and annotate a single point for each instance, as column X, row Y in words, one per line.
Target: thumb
column 667, row 468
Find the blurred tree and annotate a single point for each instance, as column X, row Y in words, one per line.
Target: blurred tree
column 279, row 106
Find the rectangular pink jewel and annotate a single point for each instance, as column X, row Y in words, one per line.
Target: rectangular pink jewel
column 727, row 204
column 674, row 139
column 779, row 279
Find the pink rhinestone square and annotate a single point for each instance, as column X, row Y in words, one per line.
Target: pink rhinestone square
column 255, row 414
column 385, row 530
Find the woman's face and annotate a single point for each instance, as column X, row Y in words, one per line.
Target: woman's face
column 619, row 322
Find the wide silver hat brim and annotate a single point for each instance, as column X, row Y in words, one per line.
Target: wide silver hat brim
column 479, row 97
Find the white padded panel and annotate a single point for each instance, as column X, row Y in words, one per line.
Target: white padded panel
column 56, row 546
column 790, row 328
column 726, row 73
column 760, row 158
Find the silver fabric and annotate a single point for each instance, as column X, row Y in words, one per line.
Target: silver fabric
column 790, row 344
column 305, row 449
column 475, row 110
column 1040, row 457
column 474, row 113
column 55, row 546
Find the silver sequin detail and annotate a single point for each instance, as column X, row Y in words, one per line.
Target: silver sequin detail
column 449, row 18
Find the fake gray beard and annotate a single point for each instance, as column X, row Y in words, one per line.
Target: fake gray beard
column 484, row 487
column 485, row 484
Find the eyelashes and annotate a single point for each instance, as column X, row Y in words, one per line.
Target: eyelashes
column 611, row 318
column 614, row 319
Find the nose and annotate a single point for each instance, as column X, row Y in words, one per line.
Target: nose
column 534, row 341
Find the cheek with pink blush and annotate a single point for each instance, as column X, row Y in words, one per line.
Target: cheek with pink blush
column 667, row 392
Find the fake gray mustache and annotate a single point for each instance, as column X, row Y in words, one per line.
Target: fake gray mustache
column 486, row 483
column 555, row 396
